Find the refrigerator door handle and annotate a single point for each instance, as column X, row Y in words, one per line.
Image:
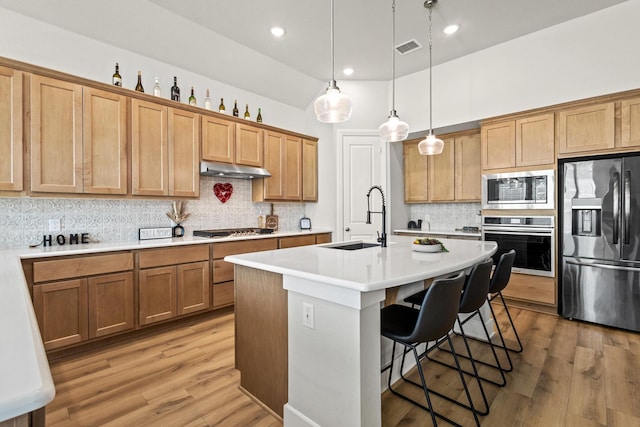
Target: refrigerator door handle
column 616, row 207
column 605, row 266
column 626, row 225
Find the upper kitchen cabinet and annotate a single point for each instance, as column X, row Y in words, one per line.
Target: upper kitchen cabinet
column 104, row 142
column 416, row 168
column 78, row 138
column 630, row 120
column 218, row 139
column 283, row 159
column 588, row 128
column 441, row 181
column 467, row 170
column 56, row 135
column 309, row 170
column 164, row 150
column 10, row 130
column 249, row 145
column 184, row 153
column 522, row 142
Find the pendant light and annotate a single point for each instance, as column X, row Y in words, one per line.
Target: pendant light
column 431, row 144
column 333, row 106
column 394, row 129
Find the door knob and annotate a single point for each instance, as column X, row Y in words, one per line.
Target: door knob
column 347, row 229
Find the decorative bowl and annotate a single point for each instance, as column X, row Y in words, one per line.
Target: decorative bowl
column 427, row 248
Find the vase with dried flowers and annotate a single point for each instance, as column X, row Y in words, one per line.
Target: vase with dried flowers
column 177, row 214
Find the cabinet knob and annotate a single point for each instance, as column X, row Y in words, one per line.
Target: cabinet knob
column 347, row 229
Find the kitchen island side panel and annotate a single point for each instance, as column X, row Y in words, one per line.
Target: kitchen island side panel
column 261, row 334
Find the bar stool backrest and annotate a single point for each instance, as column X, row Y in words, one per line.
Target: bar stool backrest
column 439, row 309
column 477, row 287
column 502, row 272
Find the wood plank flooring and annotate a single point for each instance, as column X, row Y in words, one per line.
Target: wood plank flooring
column 570, row 374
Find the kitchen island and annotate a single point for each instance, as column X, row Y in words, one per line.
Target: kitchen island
column 308, row 342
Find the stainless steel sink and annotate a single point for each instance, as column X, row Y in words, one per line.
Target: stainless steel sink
column 354, row 246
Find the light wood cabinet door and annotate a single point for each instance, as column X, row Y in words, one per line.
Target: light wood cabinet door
column 441, row 169
column 498, row 145
column 11, row 178
column 156, row 295
column 193, row 287
column 630, row 123
column 184, row 153
column 62, row 312
column 149, row 150
column 292, row 178
column 588, row 128
column 218, row 139
column 111, row 308
column 535, row 141
column 468, row 185
column 56, row 136
column 249, row 145
column 416, row 174
column 104, row 142
column 273, row 187
column 309, row 170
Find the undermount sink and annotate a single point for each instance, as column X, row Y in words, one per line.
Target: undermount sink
column 354, row 246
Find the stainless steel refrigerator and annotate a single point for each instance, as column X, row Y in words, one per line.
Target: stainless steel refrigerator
column 600, row 264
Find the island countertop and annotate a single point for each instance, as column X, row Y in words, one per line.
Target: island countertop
column 368, row 269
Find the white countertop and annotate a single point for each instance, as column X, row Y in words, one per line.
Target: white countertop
column 450, row 232
column 25, row 378
column 368, row 269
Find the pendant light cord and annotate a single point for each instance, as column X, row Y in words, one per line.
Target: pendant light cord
column 393, row 60
column 333, row 65
column 430, row 74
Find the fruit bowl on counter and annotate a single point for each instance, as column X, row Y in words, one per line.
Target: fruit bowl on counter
column 427, row 244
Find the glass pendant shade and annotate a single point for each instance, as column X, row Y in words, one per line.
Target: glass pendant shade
column 431, row 145
column 333, row 106
column 394, row 129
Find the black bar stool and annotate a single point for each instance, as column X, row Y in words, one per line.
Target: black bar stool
column 433, row 321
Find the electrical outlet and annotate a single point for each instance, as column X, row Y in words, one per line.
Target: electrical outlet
column 54, row 224
column 307, row 315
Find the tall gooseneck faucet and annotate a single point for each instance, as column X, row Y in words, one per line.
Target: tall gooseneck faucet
column 382, row 238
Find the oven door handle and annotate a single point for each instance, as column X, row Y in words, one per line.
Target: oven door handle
column 519, row 231
column 605, row 266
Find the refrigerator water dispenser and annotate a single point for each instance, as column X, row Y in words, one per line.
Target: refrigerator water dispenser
column 585, row 217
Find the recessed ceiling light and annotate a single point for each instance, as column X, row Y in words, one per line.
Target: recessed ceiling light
column 347, row 71
column 450, row 29
column 277, row 31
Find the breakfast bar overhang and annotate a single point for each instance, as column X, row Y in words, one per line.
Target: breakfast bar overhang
column 308, row 323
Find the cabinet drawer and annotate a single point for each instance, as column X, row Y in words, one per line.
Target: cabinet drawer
column 44, row 271
column 221, row 250
column 535, row 289
column 222, row 271
column 291, row 242
column 323, row 238
column 223, row 294
column 171, row 256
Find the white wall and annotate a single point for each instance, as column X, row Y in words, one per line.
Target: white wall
column 589, row 56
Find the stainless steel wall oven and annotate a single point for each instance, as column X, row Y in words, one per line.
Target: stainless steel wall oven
column 532, row 238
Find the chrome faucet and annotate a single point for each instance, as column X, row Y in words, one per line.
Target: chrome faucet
column 382, row 238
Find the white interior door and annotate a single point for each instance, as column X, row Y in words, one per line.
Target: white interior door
column 362, row 166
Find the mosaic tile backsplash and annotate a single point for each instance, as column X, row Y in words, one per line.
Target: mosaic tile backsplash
column 24, row 220
column 448, row 216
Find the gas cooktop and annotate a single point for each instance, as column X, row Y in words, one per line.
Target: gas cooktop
column 232, row 232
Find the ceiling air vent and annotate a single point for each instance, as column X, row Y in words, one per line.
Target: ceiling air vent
column 408, row 47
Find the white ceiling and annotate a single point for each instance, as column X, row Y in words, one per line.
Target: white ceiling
column 229, row 41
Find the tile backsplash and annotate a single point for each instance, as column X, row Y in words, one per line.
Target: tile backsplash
column 24, row 220
column 448, row 216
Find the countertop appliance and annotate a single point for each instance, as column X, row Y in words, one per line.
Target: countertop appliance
column 232, row 232
column 519, row 190
column 600, row 217
column 531, row 236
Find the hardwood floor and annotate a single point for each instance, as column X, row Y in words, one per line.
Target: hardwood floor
column 570, row 374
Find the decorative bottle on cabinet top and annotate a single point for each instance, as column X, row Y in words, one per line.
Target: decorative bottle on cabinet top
column 175, row 90
column 156, row 88
column 259, row 118
column 207, row 101
column 247, row 116
column 221, row 108
column 192, row 98
column 117, row 80
column 139, row 87
column 235, row 108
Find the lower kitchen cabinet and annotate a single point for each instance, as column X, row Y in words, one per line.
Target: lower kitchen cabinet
column 173, row 282
column 111, row 308
column 293, row 241
column 529, row 289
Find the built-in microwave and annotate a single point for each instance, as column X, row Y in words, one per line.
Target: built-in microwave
column 519, row 190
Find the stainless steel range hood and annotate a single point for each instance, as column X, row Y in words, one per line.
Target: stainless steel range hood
column 232, row 171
